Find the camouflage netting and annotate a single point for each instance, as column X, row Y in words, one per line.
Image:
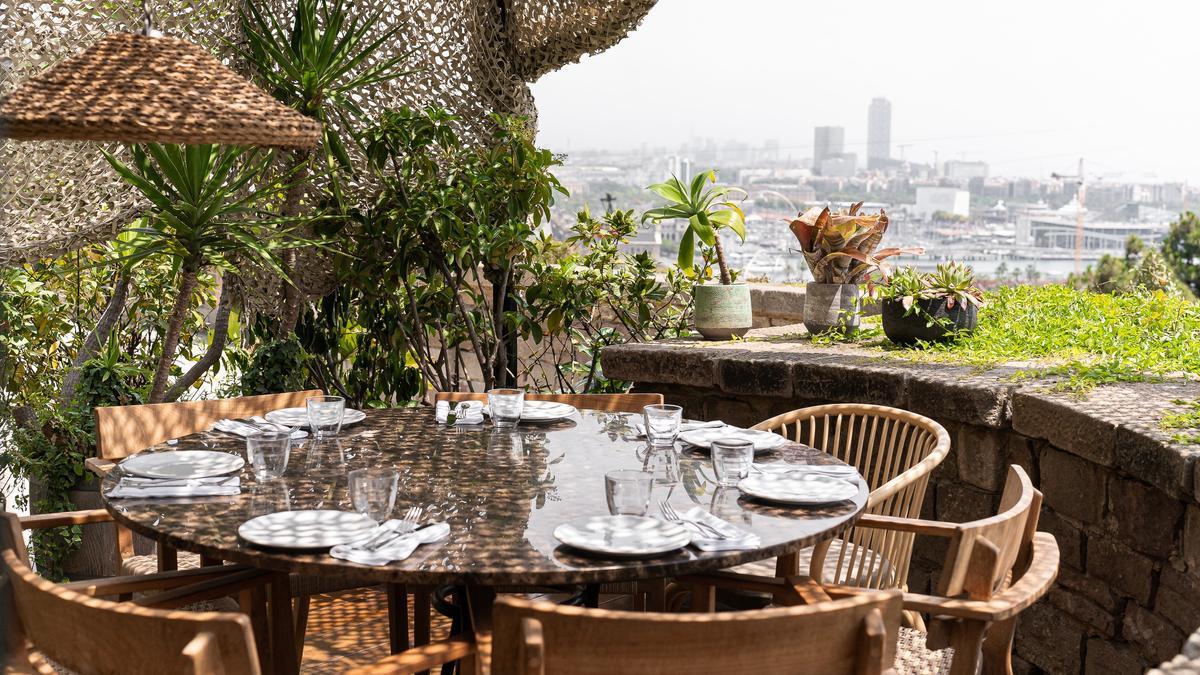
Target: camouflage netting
column 472, row 57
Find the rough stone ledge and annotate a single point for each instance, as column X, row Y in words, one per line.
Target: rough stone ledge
column 1114, row 426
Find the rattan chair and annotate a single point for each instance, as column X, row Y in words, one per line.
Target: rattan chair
column 994, row 568
column 895, row 451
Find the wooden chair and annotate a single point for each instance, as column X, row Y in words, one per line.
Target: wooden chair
column 628, row 403
column 895, row 451
column 994, row 568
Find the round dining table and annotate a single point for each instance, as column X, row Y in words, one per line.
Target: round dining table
column 502, row 492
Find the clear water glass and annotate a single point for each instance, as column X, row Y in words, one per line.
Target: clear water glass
column 662, row 462
column 731, row 459
column 628, row 491
column 505, row 406
column 325, row 414
column 373, row 492
column 268, row 453
column 662, row 423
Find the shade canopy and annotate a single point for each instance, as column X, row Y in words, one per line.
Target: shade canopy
column 141, row 89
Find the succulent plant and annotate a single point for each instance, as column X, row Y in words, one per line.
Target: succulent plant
column 955, row 282
column 840, row 247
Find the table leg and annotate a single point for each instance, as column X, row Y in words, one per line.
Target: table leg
column 421, row 617
column 479, row 611
column 591, row 595
column 283, row 633
column 168, row 558
column 397, row 597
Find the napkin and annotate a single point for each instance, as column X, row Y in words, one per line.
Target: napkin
column 469, row 412
column 217, row 486
column 238, row 428
column 397, row 549
column 738, row 540
column 686, row 426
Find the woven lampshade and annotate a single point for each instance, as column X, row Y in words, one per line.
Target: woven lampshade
column 140, row 89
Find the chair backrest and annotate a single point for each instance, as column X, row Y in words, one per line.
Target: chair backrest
column 93, row 636
column 895, row 451
column 629, row 403
column 983, row 552
column 855, row 635
column 124, row 430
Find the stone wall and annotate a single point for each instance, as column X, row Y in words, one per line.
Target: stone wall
column 1120, row 497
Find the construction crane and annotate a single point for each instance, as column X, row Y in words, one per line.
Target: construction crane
column 1081, row 195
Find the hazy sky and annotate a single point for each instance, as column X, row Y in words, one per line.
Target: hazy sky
column 1028, row 86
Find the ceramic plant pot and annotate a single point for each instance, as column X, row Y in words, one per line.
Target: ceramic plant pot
column 831, row 307
column 723, row 312
column 933, row 322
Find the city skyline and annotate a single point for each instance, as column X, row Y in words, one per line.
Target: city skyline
column 1028, row 88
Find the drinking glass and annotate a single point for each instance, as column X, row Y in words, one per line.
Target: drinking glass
column 731, row 459
column 505, row 406
column 662, row 423
column 628, row 491
column 373, row 492
column 268, row 453
column 325, row 414
column 662, row 462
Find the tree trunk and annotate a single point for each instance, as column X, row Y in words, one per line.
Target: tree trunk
column 721, row 265
column 98, row 336
column 293, row 296
column 187, row 284
column 212, row 354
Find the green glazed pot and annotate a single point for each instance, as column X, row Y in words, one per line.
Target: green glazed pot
column 723, row 312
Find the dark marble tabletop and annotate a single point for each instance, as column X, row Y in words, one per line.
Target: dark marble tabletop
column 502, row 492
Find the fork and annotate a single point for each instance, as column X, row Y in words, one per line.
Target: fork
column 704, row 528
column 411, row 518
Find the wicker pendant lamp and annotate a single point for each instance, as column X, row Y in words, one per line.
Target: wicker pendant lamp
column 150, row 88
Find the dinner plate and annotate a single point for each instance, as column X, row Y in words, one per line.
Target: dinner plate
column 298, row 417
column 806, row 489
column 836, row 470
column 540, row 412
column 623, row 536
column 182, row 464
column 306, row 529
column 762, row 440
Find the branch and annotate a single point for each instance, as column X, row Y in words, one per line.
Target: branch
column 213, row 354
column 98, row 336
column 170, row 341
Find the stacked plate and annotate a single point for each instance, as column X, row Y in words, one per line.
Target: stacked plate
column 763, row 441
column 298, row 417
column 182, row 464
column 623, row 536
column 800, row 488
column 304, row 530
column 543, row 412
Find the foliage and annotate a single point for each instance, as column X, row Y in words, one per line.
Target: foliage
column 1181, row 250
column 707, row 209
column 840, row 247
column 955, row 282
column 274, row 367
column 1188, row 420
column 1141, row 269
column 1083, row 339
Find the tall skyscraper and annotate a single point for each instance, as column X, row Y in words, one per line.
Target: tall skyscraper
column 879, row 133
column 827, row 142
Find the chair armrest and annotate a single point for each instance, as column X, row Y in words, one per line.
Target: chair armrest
column 932, row 528
column 140, row 583
column 99, row 465
column 44, row 521
column 421, row 658
column 1007, row 603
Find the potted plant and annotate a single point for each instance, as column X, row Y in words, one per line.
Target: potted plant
column 840, row 251
column 722, row 310
column 930, row 307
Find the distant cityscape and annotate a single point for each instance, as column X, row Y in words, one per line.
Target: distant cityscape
column 1006, row 227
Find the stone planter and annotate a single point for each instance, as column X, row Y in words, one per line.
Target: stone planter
column 945, row 323
column 831, row 307
column 723, row 312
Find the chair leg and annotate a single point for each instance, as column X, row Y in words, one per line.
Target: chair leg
column 422, row 609
column 397, row 598
column 253, row 603
column 704, row 598
column 301, row 624
column 997, row 648
column 966, row 638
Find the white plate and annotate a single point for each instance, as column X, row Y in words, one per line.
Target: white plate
column 762, row 440
column 844, row 471
column 623, row 536
column 182, row 464
column 306, row 529
column 298, row 417
column 803, row 489
column 542, row 411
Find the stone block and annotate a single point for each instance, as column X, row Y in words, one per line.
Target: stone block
column 1155, row 638
column 982, row 456
column 1050, row 639
column 1105, row 657
column 686, row 362
column 957, row 394
column 1126, row 570
column 1095, row 590
column 1059, row 420
column 1020, row 451
column 777, row 303
column 1159, row 463
column 849, row 379
column 1145, row 517
column 769, row 375
column 1191, row 539
column 1178, row 599
column 961, row 503
column 1100, row 620
column 1072, row 486
column 733, row 411
column 1070, row 539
